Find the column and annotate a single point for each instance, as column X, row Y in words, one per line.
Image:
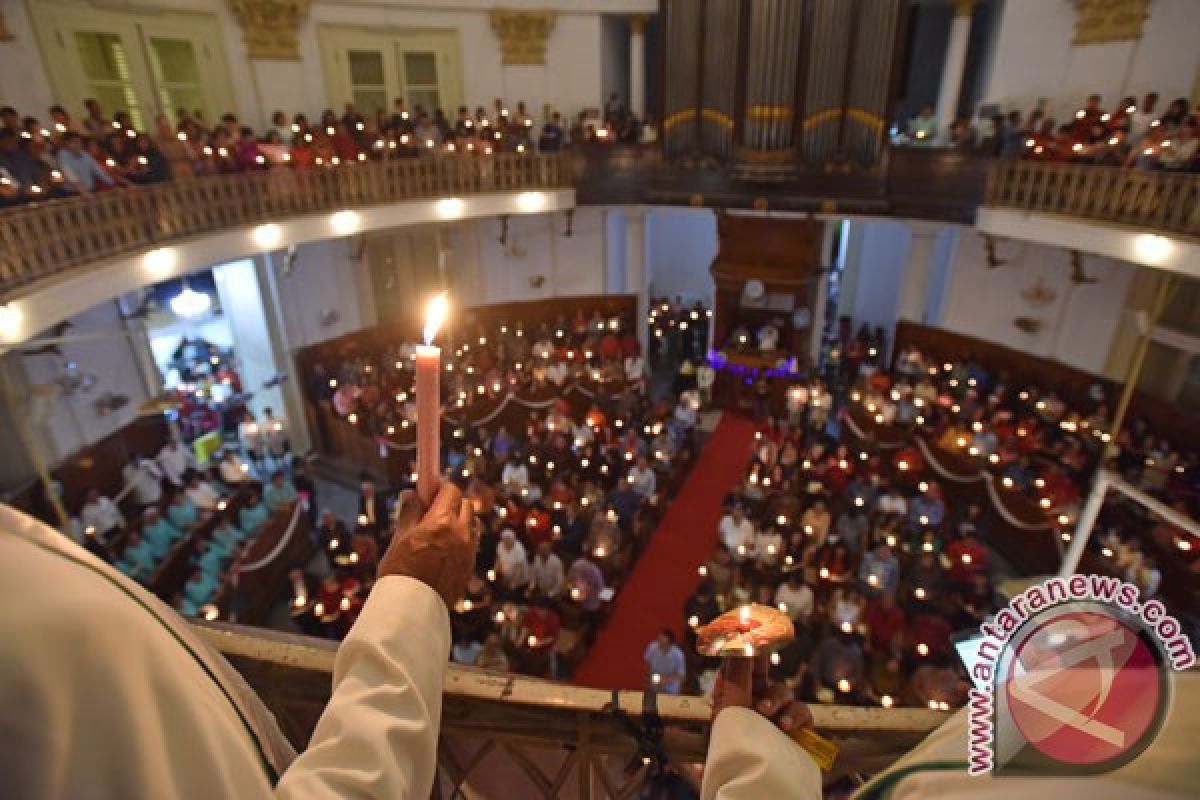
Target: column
column 636, row 281
column 952, row 68
column 914, row 290
column 637, row 65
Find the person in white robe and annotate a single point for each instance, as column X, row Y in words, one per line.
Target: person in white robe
column 100, row 514
column 175, row 459
column 108, row 656
column 144, row 477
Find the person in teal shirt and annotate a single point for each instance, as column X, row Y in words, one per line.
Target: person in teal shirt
column 200, row 588
column 181, row 512
column 159, row 533
column 279, row 492
column 210, row 561
column 254, row 515
column 227, row 535
column 138, row 561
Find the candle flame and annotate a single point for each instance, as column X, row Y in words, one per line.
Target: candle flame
column 435, row 315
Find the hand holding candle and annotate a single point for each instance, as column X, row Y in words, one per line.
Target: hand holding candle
column 429, row 404
column 743, row 638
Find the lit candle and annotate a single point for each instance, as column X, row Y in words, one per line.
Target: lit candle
column 429, row 411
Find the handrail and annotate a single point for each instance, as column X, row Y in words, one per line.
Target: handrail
column 47, row 239
column 1161, row 201
column 501, row 726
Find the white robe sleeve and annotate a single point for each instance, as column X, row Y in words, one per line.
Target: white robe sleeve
column 750, row 759
column 378, row 735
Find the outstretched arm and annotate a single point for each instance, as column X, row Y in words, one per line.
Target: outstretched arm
column 378, row 735
column 749, row 755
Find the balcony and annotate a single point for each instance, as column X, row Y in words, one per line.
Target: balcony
column 48, row 240
column 509, row 735
column 40, row 243
column 1164, row 202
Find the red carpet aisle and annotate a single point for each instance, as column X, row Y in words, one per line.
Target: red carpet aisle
column 665, row 575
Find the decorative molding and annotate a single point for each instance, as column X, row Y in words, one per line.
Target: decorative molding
column 5, row 34
column 269, row 27
column 522, row 35
column 1109, row 20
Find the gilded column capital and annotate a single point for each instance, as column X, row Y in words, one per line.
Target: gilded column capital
column 637, row 22
column 522, row 34
column 270, row 27
column 1109, row 20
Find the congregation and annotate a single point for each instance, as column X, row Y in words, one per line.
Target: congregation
column 67, row 155
column 1142, row 135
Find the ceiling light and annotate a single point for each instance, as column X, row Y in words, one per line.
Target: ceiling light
column 450, row 207
column 10, row 320
column 190, row 303
column 268, row 236
column 531, row 201
column 345, row 222
column 159, row 262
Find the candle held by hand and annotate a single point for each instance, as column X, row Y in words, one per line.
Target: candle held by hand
column 429, row 407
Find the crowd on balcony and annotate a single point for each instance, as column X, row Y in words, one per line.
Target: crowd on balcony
column 1137, row 134
column 568, row 493
column 66, row 155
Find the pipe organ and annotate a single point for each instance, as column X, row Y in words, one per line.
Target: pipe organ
column 776, row 89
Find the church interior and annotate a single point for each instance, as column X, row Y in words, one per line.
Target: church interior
column 833, row 329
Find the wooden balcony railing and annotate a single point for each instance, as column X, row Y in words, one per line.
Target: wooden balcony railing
column 47, row 239
column 1159, row 201
column 507, row 735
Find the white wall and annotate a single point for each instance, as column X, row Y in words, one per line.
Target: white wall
column 1033, row 57
column 324, row 278
column 681, row 244
column 571, row 79
column 1077, row 327
column 71, row 422
column 242, row 301
column 877, row 253
column 23, row 84
column 536, row 247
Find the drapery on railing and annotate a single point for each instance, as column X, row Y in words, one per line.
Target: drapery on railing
column 1161, row 201
column 44, row 239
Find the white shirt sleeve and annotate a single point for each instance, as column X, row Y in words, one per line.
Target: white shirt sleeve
column 378, row 735
column 749, row 759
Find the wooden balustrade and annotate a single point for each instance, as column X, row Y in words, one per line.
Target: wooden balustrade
column 1160, row 201
column 47, row 239
column 507, row 735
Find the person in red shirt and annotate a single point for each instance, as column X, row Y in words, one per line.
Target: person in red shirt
column 538, row 525
column 610, row 347
column 344, row 146
column 883, row 620
column 968, row 557
column 928, row 634
column 540, row 628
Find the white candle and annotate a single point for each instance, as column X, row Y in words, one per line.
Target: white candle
column 429, row 411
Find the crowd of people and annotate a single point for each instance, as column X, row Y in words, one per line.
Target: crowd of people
column 855, row 542
column 66, row 155
column 567, row 499
column 206, row 514
column 858, row 545
column 1137, row 134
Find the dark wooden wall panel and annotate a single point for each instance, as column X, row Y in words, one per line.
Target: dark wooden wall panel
column 1070, row 383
